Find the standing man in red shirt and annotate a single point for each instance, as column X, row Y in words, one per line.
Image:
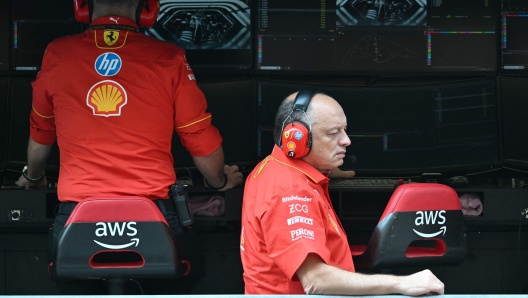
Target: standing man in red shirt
column 292, row 241
column 112, row 97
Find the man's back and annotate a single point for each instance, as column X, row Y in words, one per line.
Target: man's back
column 117, row 96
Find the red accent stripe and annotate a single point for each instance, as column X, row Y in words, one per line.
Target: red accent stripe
column 122, row 209
column 422, row 197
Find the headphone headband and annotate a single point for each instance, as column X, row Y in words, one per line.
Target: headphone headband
column 303, row 98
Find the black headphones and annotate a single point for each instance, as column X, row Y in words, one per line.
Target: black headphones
column 296, row 136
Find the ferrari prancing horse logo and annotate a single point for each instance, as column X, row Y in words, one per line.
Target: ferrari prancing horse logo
column 111, row 36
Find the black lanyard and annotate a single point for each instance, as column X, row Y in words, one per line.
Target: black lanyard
column 112, row 27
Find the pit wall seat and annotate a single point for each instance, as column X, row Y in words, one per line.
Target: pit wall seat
column 116, row 238
column 422, row 225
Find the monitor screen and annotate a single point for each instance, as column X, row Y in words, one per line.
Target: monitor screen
column 514, row 47
column 402, row 129
column 514, row 104
column 20, row 109
column 3, row 122
column 361, row 36
column 34, row 24
column 230, row 103
column 216, row 35
column 4, row 36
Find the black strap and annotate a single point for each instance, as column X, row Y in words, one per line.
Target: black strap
column 112, row 27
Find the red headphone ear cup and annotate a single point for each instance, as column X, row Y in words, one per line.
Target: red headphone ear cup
column 149, row 13
column 295, row 140
column 81, row 9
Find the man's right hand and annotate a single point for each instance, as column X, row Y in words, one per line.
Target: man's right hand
column 234, row 177
column 22, row 181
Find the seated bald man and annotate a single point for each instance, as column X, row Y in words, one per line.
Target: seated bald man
column 292, row 241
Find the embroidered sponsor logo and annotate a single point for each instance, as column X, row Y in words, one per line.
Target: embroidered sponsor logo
column 296, row 198
column 298, row 208
column 242, row 239
column 302, row 233
column 115, row 20
column 191, row 77
column 291, row 145
column 110, row 36
column 188, row 66
column 106, row 98
column 108, row 64
column 430, row 218
column 299, row 219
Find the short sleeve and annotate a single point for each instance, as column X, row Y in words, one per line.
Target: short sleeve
column 192, row 121
column 293, row 227
column 42, row 117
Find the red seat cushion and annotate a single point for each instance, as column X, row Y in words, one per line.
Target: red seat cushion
column 420, row 197
column 116, row 209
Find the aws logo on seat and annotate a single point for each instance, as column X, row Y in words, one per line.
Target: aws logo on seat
column 430, row 218
column 116, row 229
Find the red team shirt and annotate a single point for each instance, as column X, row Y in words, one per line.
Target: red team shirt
column 112, row 100
column 286, row 215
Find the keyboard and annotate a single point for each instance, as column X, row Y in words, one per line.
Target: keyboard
column 363, row 183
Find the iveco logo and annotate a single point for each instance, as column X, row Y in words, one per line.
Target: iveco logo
column 108, row 64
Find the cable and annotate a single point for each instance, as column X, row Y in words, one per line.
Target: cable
column 139, row 285
column 188, row 171
column 523, row 214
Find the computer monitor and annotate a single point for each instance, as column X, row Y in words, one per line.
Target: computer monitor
column 18, row 135
column 376, row 37
column 230, row 103
column 514, row 59
column 4, row 85
column 216, row 35
column 514, row 104
column 34, row 24
column 4, row 36
column 410, row 129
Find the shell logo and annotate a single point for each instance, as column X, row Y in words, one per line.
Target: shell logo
column 106, row 98
column 291, row 145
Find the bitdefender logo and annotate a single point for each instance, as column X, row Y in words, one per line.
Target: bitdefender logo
column 116, row 229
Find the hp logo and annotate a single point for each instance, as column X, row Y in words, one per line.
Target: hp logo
column 108, row 64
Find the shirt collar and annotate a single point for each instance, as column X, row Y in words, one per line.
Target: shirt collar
column 298, row 164
column 111, row 20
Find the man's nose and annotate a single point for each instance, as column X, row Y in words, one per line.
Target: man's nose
column 344, row 140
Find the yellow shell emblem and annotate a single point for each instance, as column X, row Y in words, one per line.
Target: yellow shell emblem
column 106, row 98
column 291, row 145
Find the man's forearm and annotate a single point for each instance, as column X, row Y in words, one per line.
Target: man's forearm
column 334, row 281
column 212, row 167
column 37, row 155
column 319, row 278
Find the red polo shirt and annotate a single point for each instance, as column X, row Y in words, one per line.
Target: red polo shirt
column 112, row 98
column 286, row 215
